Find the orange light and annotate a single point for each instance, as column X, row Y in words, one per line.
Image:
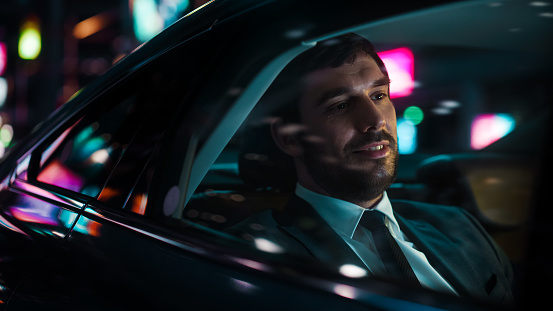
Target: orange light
column 94, row 228
column 108, row 193
column 91, row 25
column 139, row 204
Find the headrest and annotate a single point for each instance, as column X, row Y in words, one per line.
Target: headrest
column 496, row 188
column 261, row 163
column 448, row 169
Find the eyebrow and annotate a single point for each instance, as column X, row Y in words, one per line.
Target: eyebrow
column 344, row 90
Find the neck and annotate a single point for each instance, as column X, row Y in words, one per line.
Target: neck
column 311, row 185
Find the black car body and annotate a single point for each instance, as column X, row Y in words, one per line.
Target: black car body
column 105, row 206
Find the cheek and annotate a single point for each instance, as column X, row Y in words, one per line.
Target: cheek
column 329, row 136
column 391, row 120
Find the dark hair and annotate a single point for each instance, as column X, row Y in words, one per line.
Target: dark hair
column 287, row 88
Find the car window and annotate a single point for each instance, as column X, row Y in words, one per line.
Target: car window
column 450, row 89
column 168, row 86
column 82, row 157
column 464, row 106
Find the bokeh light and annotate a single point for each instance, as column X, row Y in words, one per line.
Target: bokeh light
column 30, row 42
column 3, row 57
column 488, row 128
column 400, row 66
column 413, row 114
column 3, row 91
column 407, row 136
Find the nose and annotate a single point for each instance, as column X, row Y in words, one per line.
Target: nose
column 369, row 116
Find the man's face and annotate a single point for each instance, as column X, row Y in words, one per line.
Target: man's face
column 349, row 143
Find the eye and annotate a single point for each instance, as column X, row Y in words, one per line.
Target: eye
column 342, row 105
column 379, row 96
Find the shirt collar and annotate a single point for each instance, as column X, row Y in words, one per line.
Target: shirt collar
column 341, row 215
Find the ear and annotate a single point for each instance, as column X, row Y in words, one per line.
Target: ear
column 286, row 137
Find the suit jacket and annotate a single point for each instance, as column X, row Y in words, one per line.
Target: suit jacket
column 454, row 242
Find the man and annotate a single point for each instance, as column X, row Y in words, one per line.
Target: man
column 339, row 127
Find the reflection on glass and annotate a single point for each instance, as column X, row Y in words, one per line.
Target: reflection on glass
column 54, row 146
column 268, row 246
column 8, row 225
column 243, row 286
column 22, row 166
column 139, row 202
column 353, row 271
column 58, row 174
column 44, row 214
column 345, row 291
column 84, row 225
column 87, row 226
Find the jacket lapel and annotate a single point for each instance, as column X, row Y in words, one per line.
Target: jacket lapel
column 442, row 254
column 303, row 223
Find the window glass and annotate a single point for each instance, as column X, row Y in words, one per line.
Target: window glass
column 82, row 156
column 167, row 86
column 468, row 109
column 442, row 91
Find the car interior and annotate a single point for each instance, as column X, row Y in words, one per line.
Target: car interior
column 494, row 183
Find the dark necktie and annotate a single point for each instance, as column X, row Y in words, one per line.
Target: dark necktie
column 393, row 258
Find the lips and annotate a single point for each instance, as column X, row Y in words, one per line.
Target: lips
column 374, row 150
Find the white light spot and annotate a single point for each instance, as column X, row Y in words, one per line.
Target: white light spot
column 58, row 234
column 295, row 34
column 243, row 286
column 546, row 14
column 268, row 246
column 539, row 3
column 353, row 271
column 252, row 264
column 3, row 90
column 345, row 291
column 100, row 156
column 441, row 111
column 450, row 104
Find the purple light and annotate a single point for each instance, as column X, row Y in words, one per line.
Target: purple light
column 57, row 174
column 400, row 65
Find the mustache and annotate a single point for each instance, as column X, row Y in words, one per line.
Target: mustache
column 372, row 137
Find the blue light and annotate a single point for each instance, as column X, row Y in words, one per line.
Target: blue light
column 146, row 19
column 407, row 136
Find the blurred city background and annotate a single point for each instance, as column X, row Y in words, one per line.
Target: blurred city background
column 49, row 49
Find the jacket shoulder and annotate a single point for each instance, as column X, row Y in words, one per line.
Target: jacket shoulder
column 431, row 212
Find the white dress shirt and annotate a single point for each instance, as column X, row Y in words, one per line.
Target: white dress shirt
column 344, row 218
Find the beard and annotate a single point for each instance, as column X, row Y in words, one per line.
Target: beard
column 349, row 177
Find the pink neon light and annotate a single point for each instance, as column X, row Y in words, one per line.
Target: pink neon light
column 401, row 69
column 488, row 128
column 42, row 215
column 57, row 174
column 3, row 57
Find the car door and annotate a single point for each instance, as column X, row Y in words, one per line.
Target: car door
column 125, row 249
column 98, row 157
column 53, row 182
